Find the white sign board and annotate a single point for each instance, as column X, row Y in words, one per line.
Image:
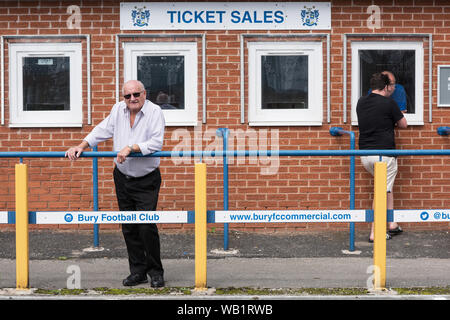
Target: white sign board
column 431, row 215
column 225, row 16
column 3, row 217
column 97, row 217
column 252, row 216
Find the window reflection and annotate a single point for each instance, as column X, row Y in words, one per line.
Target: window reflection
column 284, row 82
column 400, row 62
column 163, row 77
column 46, row 83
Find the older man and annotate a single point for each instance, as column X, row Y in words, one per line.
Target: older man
column 135, row 125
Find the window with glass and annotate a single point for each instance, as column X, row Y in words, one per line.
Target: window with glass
column 45, row 84
column 285, row 83
column 163, row 77
column 443, row 86
column 404, row 60
column 168, row 71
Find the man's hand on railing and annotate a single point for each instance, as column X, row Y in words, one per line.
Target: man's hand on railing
column 75, row 152
column 123, row 154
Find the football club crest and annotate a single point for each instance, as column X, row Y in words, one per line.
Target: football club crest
column 141, row 17
column 310, row 16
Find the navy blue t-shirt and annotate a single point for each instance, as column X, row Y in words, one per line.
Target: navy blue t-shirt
column 377, row 116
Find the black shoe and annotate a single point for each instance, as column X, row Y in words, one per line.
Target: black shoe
column 157, row 281
column 396, row 231
column 134, row 280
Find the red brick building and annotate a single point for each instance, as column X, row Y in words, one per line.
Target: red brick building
column 276, row 83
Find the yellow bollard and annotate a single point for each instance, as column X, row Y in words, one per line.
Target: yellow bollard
column 380, row 212
column 22, row 247
column 200, row 226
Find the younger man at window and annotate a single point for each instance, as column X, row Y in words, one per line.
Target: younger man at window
column 378, row 115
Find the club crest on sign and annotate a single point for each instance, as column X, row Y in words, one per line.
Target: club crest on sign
column 141, row 16
column 310, row 16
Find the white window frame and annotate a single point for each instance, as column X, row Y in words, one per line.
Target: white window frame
column 443, row 82
column 60, row 118
column 313, row 116
column 189, row 115
column 412, row 119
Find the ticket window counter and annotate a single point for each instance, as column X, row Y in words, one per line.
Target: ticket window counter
column 45, row 85
column 285, row 83
column 168, row 71
column 404, row 59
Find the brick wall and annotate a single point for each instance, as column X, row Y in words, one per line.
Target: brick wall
column 300, row 183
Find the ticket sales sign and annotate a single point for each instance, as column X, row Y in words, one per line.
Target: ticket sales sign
column 225, row 16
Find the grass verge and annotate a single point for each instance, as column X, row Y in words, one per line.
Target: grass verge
column 247, row 291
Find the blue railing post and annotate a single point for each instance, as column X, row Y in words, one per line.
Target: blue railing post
column 337, row 131
column 224, row 133
column 443, row 131
column 95, row 194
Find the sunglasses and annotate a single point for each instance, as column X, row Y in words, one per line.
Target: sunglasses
column 135, row 94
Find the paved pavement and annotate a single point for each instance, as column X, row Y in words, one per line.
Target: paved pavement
column 273, row 261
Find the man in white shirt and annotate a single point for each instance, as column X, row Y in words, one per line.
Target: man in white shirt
column 135, row 125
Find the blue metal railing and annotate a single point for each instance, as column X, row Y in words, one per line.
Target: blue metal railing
column 236, row 153
column 443, row 131
column 95, row 196
column 224, row 133
column 335, row 131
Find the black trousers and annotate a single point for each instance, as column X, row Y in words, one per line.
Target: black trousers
column 142, row 240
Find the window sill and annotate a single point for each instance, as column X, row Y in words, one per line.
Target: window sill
column 410, row 123
column 285, row 123
column 45, row 125
column 181, row 123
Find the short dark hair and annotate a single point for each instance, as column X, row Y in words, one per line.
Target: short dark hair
column 379, row 81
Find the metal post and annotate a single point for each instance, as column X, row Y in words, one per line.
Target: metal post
column 95, row 194
column 224, row 132
column 380, row 212
column 200, row 226
column 337, row 131
column 443, row 131
column 22, row 241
